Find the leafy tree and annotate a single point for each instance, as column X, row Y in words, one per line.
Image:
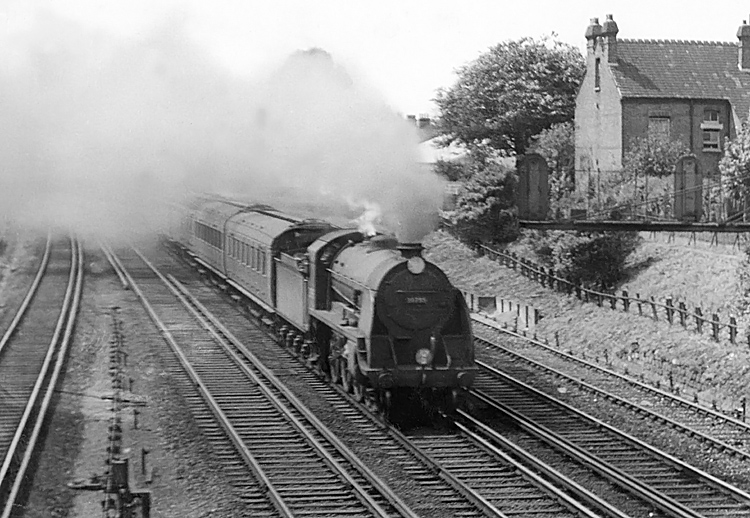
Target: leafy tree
column 735, row 165
column 485, row 209
column 652, row 156
column 557, row 145
column 510, row 93
column 452, row 171
column 645, row 184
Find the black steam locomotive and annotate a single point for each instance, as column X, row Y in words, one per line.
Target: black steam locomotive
column 370, row 313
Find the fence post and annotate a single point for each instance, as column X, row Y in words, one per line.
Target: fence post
column 699, row 319
column 715, row 326
column 732, row 329
column 551, row 279
column 613, row 301
column 670, row 309
column 640, row 306
column 683, row 314
column 578, row 291
column 625, row 301
column 653, row 308
column 543, row 279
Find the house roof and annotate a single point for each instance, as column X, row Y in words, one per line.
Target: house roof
column 682, row 69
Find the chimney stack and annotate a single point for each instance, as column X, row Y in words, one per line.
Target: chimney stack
column 609, row 35
column 743, row 34
column 592, row 33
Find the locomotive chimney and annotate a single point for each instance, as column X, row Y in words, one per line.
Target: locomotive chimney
column 409, row 250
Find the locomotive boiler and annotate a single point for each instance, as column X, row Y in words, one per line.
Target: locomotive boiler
column 369, row 312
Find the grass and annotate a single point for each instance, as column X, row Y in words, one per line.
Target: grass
column 714, row 371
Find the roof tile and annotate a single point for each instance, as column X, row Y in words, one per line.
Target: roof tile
column 682, row 69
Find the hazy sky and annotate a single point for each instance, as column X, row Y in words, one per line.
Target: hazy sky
column 405, row 49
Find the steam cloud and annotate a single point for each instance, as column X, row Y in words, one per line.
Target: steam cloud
column 98, row 132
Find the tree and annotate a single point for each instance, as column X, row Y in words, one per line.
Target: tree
column 451, row 171
column 510, row 93
column 646, row 178
column 485, row 209
column 557, row 145
column 735, row 165
column 654, row 156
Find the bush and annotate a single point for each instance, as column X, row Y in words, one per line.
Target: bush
column 485, row 208
column 594, row 259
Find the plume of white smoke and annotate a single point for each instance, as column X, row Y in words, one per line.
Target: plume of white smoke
column 369, row 220
column 102, row 130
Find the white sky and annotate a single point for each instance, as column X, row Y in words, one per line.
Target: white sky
column 405, row 48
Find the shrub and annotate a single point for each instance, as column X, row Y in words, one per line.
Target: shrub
column 595, row 259
column 485, row 208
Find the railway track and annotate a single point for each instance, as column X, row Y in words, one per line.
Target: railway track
column 714, row 429
column 285, row 462
column 463, row 460
column 453, row 476
column 670, row 485
column 32, row 354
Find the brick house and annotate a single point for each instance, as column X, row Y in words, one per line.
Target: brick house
column 697, row 92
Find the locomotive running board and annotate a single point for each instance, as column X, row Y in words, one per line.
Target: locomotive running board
column 333, row 319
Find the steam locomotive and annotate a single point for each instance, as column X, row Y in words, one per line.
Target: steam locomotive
column 370, row 313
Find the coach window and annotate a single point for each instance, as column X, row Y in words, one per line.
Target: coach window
column 263, row 262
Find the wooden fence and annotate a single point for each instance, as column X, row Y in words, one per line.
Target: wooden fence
column 694, row 320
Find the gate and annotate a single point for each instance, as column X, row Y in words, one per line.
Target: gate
column 532, row 195
column 688, row 189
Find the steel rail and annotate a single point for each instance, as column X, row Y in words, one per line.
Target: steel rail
column 29, row 295
column 276, row 499
column 223, row 334
column 31, row 405
column 61, row 354
column 721, row 445
column 211, row 325
column 538, row 467
column 662, row 501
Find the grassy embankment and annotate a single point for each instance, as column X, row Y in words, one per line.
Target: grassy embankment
column 695, row 274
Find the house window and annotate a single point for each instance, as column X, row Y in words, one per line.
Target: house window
column 659, row 128
column 711, row 129
column 711, row 139
column 597, row 74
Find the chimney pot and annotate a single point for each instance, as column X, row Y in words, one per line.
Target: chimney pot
column 594, row 29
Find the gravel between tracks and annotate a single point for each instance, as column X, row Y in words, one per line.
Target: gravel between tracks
column 186, row 482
